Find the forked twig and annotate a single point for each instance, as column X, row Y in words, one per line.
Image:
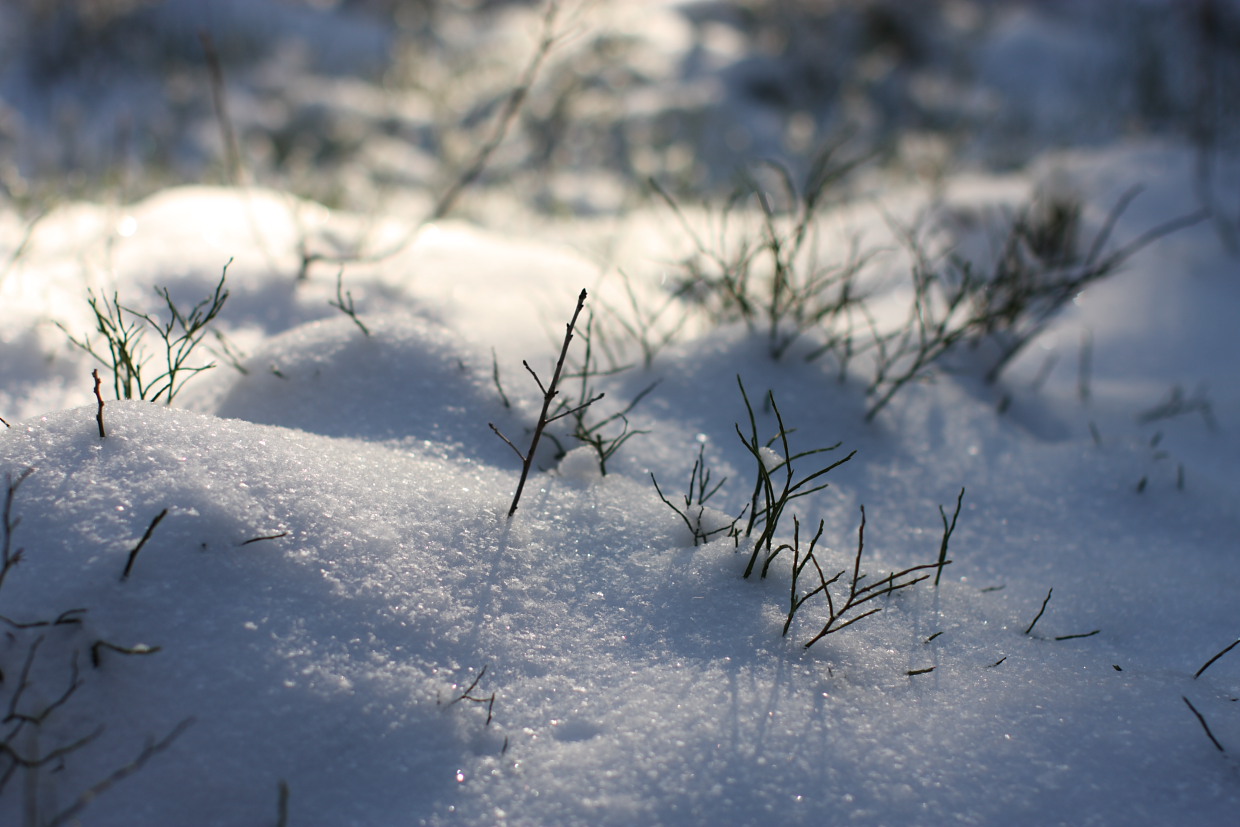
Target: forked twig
column 858, row 595
column 545, row 418
column 489, row 700
column 948, row 529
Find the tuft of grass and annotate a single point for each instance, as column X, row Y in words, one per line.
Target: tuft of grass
column 647, row 327
column 776, row 483
column 700, row 490
column 124, row 331
column 771, row 280
column 772, row 283
column 850, row 606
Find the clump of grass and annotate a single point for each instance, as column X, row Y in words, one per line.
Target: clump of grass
column 1044, row 263
column 777, row 485
column 700, row 491
column 136, row 372
column 771, row 280
column 773, row 283
column 776, row 482
column 647, row 327
column 846, row 607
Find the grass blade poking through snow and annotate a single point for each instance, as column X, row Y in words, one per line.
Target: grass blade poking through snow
column 550, row 391
column 948, row 530
column 775, row 496
column 1211, row 661
column 1201, row 719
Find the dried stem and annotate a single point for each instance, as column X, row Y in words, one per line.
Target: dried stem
column 507, row 116
column 947, row 534
column 1049, row 592
column 99, row 398
column 133, row 555
column 1211, row 661
column 219, row 98
column 544, row 418
column 1202, row 720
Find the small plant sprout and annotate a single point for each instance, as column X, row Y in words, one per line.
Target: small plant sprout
column 845, row 610
column 466, row 695
column 1041, row 611
column 799, row 562
column 103, row 432
column 545, row 417
column 693, row 513
column 771, row 497
column 948, row 530
column 125, row 329
column 646, row 327
column 605, row 436
column 344, row 302
column 499, row 386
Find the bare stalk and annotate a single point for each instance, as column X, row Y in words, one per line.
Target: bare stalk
column 508, row 116
column 99, row 398
column 545, row 418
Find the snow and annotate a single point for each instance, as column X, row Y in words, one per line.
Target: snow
column 335, row 602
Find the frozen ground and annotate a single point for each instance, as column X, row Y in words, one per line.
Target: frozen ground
column 334, row 622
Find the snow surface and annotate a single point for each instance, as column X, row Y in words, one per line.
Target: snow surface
column 340, row 604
